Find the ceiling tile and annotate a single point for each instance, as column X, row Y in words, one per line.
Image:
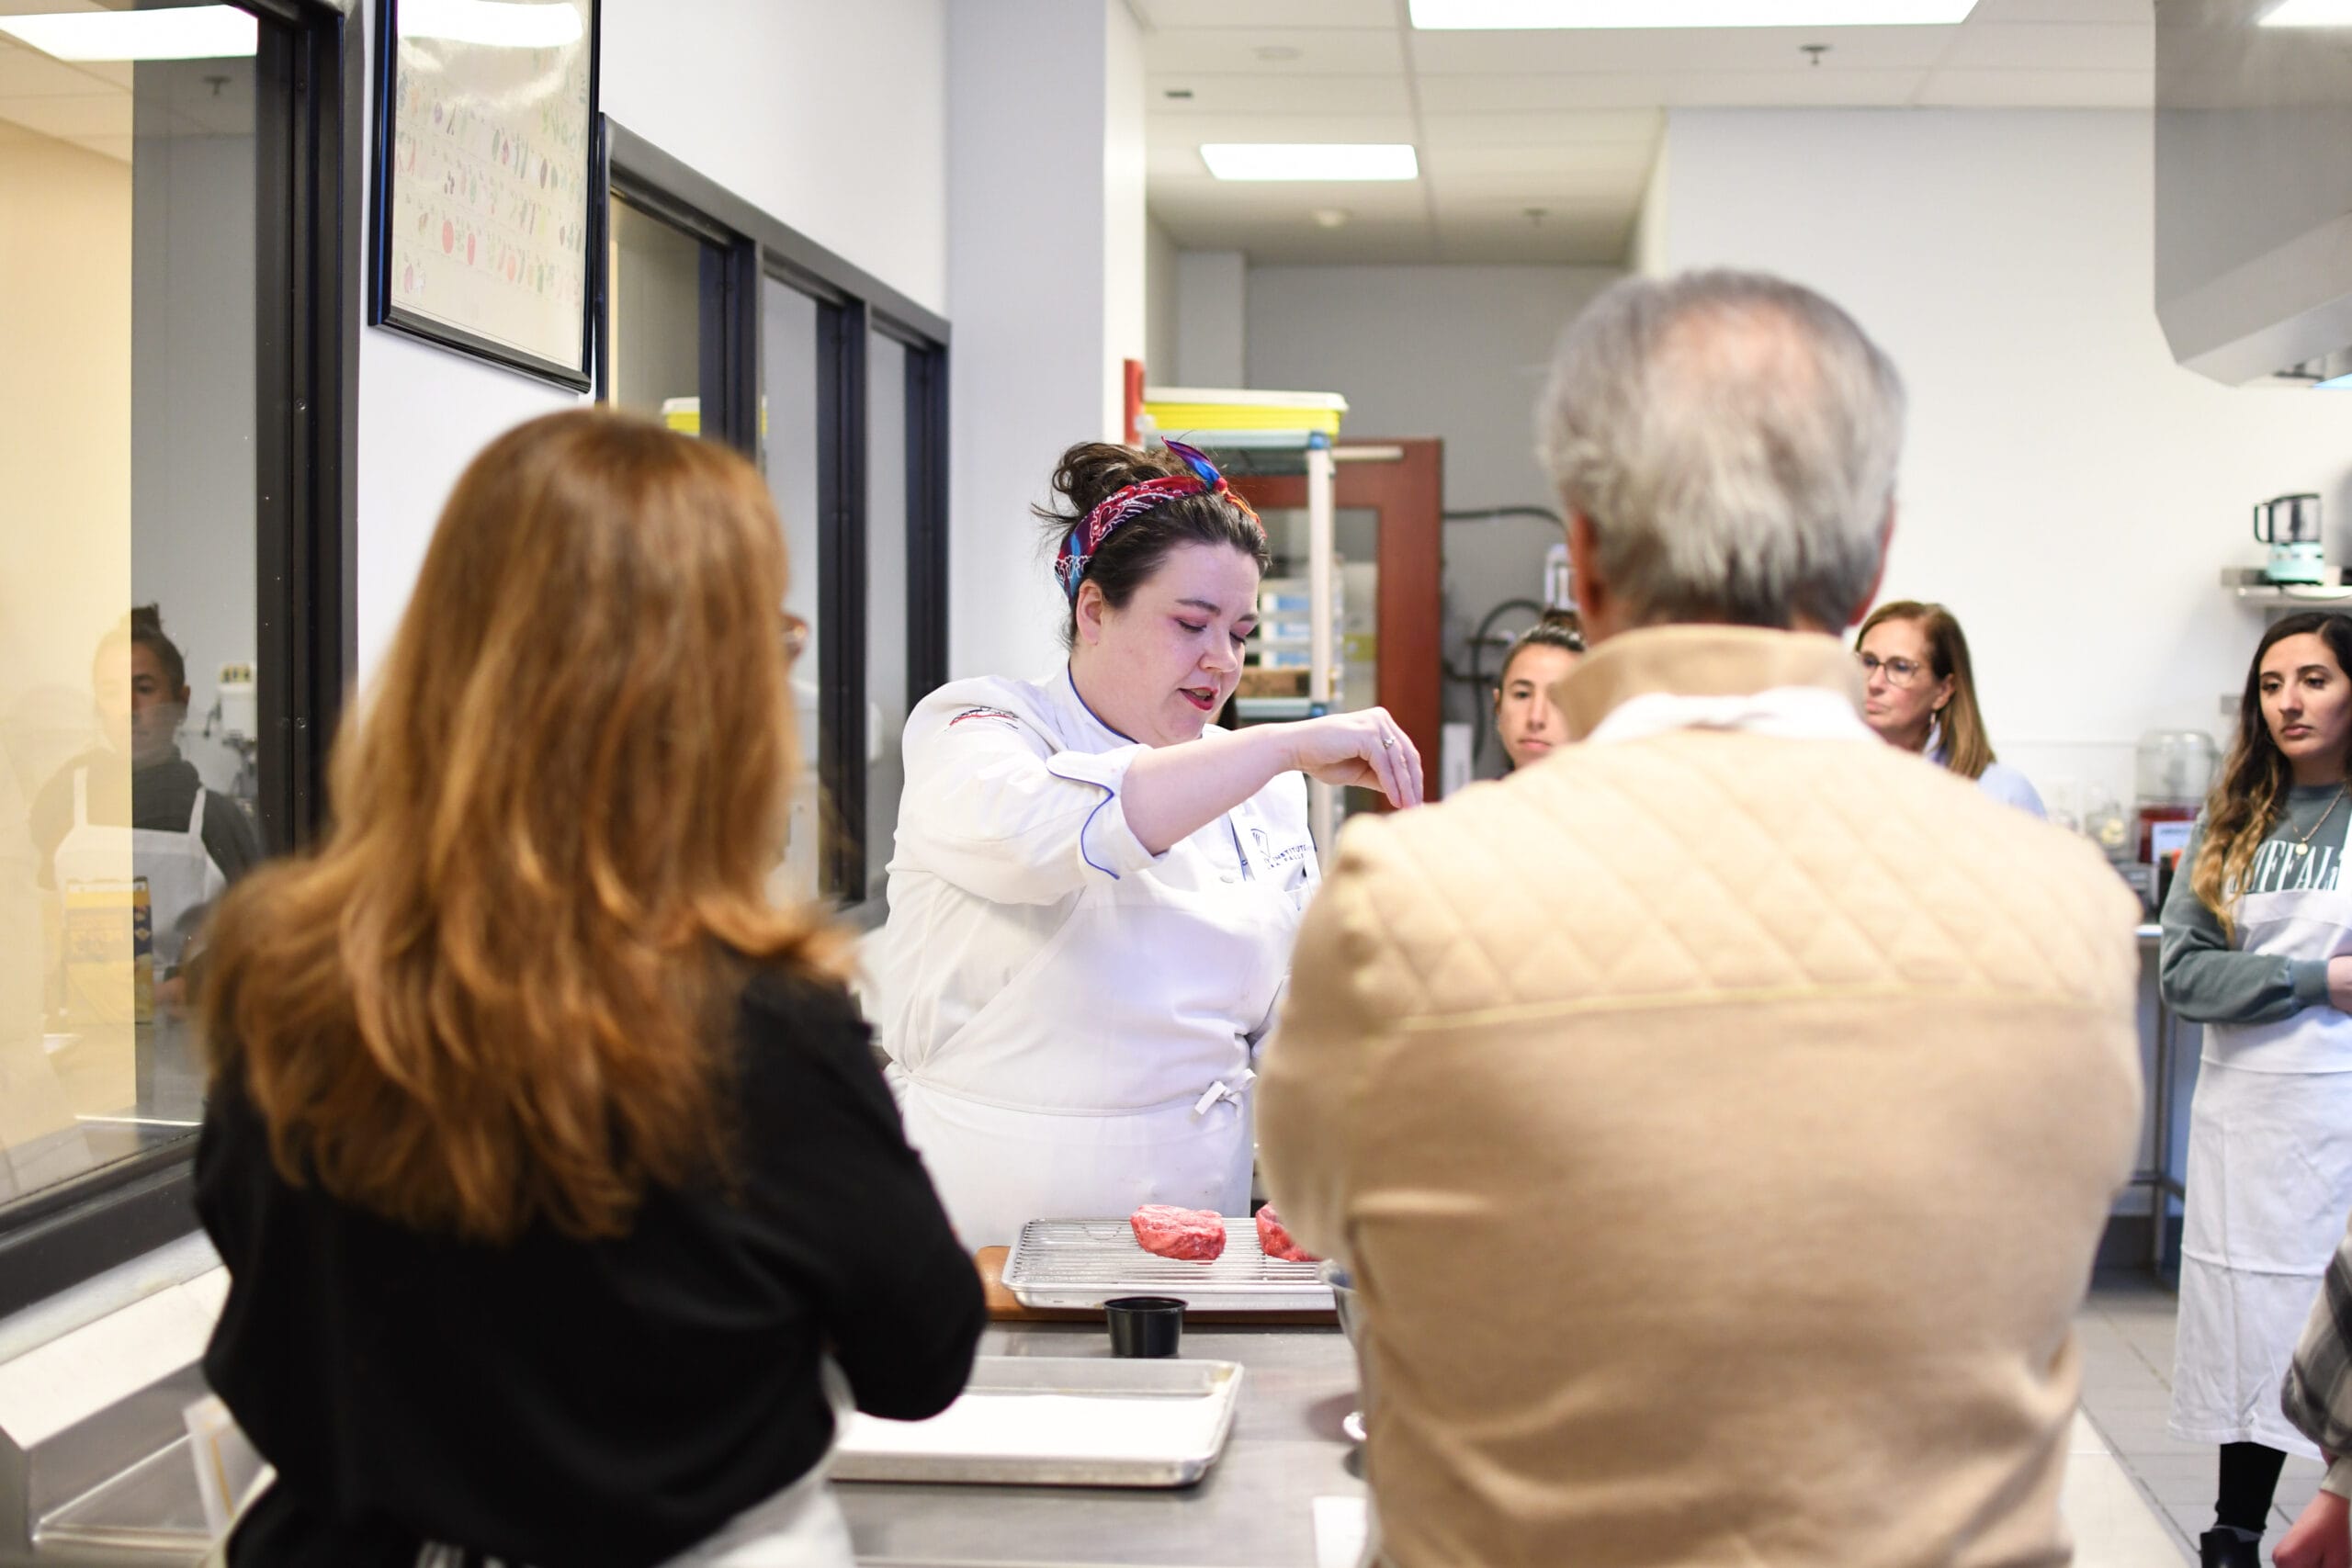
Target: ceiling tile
column 29, row 74
column 1662, row 50
column 71, row 119
column 115, row 147
column 1329, row 51
column 2139, row 11
column 2039, row 89
column 1189, row 131
column 1294, row 95
column 1635, row 127
column 1166, row 15
column 1604, row 158
column 2054, row 46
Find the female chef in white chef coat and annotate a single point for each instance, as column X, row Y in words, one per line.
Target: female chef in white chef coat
column 1095, row 889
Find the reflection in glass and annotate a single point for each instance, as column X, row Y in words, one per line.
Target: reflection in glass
column 885, row 602
column 655, row 331
column 127, row 738
column 789, row 454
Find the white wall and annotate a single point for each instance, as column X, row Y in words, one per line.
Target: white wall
column 1454, row 352
column 1039, row 246
column 830, row 118
column 1159, row 304
column 1212, row 320
column 2067, row 489
column 1126, row 225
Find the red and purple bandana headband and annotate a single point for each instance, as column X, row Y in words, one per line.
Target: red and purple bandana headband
column 1133, row 501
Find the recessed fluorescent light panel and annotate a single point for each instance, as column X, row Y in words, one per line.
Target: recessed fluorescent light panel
column 2309, row 14
column 1435, row 15
column 191, row 32
column 1311, row 159
column 511, row 24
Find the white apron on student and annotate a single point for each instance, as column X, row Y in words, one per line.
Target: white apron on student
column 1111, row 1066
column 180, row 876
column 2269, row 1183
column 799, row 1527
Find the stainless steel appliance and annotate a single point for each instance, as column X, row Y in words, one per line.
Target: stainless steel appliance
column 2289, row 525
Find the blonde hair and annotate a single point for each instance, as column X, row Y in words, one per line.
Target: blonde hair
column 1968, row 751
column 501, row 989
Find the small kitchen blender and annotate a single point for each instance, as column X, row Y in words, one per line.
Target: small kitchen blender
column 2289, row 525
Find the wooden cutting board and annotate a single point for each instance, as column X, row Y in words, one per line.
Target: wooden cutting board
column 1004, row 1307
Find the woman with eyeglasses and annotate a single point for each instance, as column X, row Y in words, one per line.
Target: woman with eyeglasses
column 1095, row 888
column 549, row 1159
column 2256, row 930
column 1919, row 693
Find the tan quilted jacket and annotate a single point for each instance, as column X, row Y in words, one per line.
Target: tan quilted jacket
column 1720, row 1128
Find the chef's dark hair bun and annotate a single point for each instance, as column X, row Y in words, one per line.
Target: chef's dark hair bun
column 1090, row 473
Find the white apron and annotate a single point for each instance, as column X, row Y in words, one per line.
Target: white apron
column 2269, row 1183
column 1109, row 1065
column 181, row 879
column 800, row 1527
column 1000, row 1162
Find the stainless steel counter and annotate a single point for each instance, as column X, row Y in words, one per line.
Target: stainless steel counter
column 1255, row 1509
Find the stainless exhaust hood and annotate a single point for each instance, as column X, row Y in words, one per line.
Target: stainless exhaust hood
column 2254, row 193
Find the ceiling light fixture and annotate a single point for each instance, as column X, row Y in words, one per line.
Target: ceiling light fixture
column 2309, row 14
column 1311, row 159
column 498, row 23
column 1436, row 15
column 193, row 32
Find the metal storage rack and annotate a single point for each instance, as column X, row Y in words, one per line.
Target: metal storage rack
column 1258, row 428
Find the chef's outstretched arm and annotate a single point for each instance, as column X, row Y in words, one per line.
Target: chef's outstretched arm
column 1173, row 791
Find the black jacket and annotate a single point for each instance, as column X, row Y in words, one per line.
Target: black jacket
column 587, row 1404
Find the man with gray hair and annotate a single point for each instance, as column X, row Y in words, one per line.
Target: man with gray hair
column 1719, row 1116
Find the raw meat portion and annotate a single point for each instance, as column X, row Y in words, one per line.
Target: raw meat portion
column 1275, row 1242
column 1194, row 1236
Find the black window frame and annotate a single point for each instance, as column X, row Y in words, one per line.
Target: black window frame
column 310, row 98
column 749, row 245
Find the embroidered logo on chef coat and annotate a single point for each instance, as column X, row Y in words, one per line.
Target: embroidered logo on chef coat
column 996, row 715
column 1274, row 858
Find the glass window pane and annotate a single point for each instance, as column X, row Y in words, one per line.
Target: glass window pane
column 886, row 602
column 655, row 332
column 788, row 453
column 128, row 737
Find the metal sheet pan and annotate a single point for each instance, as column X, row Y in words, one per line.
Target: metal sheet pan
column 1058, row 1421
column 1083, row 1263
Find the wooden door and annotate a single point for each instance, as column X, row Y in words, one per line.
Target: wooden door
column 1408, row 493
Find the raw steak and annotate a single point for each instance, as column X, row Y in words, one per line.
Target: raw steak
column 1275, row 1242
column 1194, row 1236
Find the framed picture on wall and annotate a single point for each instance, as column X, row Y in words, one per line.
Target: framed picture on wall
column 487, row 210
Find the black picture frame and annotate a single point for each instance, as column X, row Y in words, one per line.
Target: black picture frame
column 387, row 307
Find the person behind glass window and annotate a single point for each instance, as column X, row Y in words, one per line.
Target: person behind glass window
column 1921, row 696
column 549, row 1159
column 187, row 843
column 1527, row 719
column 2256, row 929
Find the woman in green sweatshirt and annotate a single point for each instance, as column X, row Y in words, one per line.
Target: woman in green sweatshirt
column 2257, row 947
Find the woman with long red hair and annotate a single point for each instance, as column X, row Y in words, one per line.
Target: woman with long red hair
column 548, row 1159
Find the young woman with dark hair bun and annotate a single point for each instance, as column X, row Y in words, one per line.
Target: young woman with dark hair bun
column 1095, row 888
column 1527, row 721
column 2255, row 932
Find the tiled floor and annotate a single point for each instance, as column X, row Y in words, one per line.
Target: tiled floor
column 2127, row 1329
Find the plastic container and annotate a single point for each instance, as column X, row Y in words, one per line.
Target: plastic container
column 1145, row 1326
column 2172, row 769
